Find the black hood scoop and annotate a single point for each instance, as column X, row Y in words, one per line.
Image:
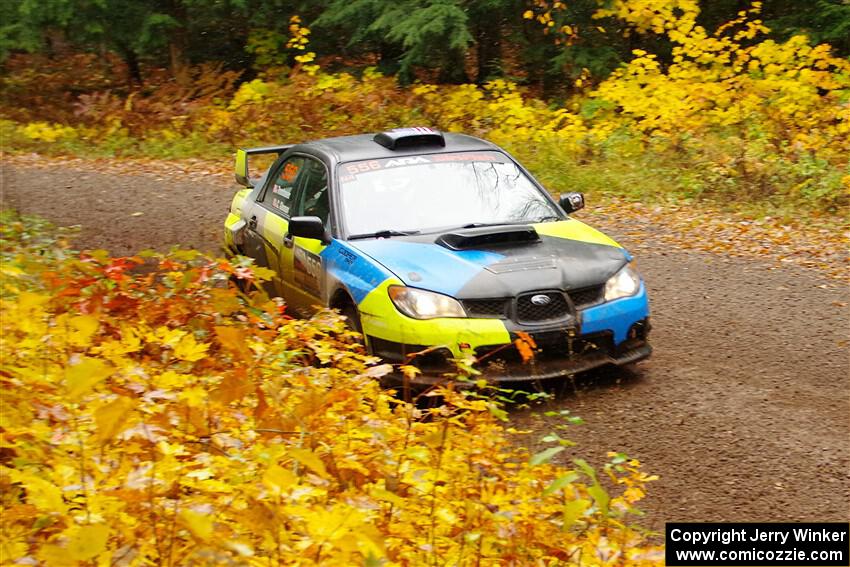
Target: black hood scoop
column 485, row 237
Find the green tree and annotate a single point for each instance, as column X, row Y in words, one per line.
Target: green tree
column 33, row 25
column 824, row 21
column 173, row 32
column 433, row 34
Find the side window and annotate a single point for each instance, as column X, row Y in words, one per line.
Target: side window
column 313, row 196
column 279, row 194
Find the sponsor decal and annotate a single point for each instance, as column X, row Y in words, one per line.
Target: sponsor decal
column 351, row 170
column 347, row 256
column 280, row 205
column 398, row 162
column 284, row 192
column 472, row 156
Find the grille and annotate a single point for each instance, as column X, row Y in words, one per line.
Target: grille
column 587, row 296
column 551, row 341
column 551, row 345
column 486, row 307
column 528, row 312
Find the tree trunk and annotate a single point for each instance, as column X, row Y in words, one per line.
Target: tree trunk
column 489, row 50
column 178, row 43
column 179, row 65
column 133, row 69
column 453, row 70
column 56, row 44
column 389, row 56
column 131, row 59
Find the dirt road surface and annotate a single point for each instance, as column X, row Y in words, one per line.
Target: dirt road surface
column 743, row 410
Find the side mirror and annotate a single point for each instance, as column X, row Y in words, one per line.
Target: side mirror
column 309, row 227
column 571, row 202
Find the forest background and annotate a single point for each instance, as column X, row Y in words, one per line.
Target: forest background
column 744, row 104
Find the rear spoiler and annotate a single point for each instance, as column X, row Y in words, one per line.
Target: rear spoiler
column 241, row 167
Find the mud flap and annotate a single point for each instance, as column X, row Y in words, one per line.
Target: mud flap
column 237, row 232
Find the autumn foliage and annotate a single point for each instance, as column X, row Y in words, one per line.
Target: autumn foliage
column 746, row 117
column 733, row 117
column 153, row 414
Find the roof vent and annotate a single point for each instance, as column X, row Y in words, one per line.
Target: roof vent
column 401, row 138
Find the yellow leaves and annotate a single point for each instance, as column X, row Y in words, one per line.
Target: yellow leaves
column 84, row 375
column 114, row 350
column 29, row 301
column 716, row 82
column 190, row 350
column 655, row 16
column 165, row 336
column 79, row 329
column 234, row 339
column 184, row 344
column 200, row 524
column 41, row 493
column 387, row 496
column 633, row 494
column 335, row 523
column 194, row 396
column 251, row 92
column 310, row 460
column 573, row 511
column 47, row 132
column 446, row 516
column 278, row 479
column 11, row 550
column 262, row 274
column 525, row 345
column 264, row 459
column 111, row 418
column 306, row 57
column 87, row 542
column 76, row 544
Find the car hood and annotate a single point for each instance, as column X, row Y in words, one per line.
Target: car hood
column 568, row 255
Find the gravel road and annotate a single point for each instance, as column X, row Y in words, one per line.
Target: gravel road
column 743, row 410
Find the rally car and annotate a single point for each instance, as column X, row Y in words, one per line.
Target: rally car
column 439, row 246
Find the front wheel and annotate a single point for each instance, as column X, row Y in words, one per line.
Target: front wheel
column 352, row 317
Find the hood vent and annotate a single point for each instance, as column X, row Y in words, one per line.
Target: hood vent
column 485, row 237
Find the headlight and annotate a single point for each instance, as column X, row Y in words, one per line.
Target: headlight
column 624, row 283
column 421, row 304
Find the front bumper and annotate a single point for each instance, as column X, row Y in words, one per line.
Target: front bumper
column 503, row 363
column 613, row 333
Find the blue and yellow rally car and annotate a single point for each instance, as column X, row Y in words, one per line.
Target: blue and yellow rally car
column 439, row 246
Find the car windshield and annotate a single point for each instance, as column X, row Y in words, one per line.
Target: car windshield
column 438, row 191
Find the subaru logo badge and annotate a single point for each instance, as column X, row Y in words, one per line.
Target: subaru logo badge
column 541, row 299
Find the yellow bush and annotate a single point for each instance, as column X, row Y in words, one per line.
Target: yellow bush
column 788, row 94
column 47, row 132
column 161, row 417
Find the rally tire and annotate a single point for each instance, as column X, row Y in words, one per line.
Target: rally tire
column 352, row 317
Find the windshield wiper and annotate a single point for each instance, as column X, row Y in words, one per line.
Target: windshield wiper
column 480, row 224
column 548, row 218
column 383, row 234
